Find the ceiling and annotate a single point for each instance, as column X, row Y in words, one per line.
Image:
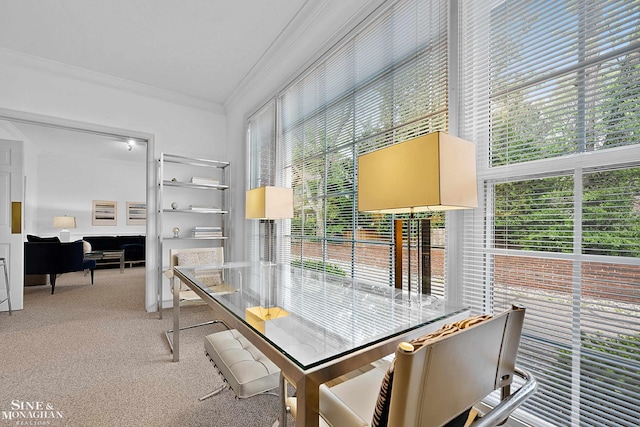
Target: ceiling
column 199, row 48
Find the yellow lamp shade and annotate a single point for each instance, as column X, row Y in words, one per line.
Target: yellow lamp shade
column 433, row 172
column 269, row 203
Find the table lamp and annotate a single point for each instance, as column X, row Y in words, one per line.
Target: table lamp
column 434, row 172
column 64, row 222
column 268, row 204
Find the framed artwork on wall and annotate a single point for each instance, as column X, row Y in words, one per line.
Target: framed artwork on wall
column 105, row 212
column 136, row 213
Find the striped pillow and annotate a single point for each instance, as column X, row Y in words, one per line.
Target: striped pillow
column 381, row 413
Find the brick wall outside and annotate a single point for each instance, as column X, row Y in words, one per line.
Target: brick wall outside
column 615, row 282
column 621, row 282
column 375, row 255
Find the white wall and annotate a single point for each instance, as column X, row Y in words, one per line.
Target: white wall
column 67, row 185
column 63, row 92
column 176, row 124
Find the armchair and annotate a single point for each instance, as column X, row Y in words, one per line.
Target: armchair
column 54, row 258
column 436, row 379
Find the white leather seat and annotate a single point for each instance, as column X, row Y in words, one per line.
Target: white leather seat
column 247, row 371
column 360, row 393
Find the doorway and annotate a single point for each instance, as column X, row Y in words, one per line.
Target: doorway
column 77, row 145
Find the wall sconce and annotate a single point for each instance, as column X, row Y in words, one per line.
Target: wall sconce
column 434, row 172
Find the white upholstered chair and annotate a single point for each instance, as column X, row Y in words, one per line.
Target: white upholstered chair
column 242, row 366
column 213, row 279
column 436, row 379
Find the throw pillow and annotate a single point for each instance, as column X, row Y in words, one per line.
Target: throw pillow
column 86, row 247
column 32, row 238
column 381, row 413
column 198, row 258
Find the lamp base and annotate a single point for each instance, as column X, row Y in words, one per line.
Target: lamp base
column 65, row 235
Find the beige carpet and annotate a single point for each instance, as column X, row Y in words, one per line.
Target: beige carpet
column 94, row 357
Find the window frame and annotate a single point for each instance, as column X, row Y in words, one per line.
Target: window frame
column 458, row 245
column 479, row 251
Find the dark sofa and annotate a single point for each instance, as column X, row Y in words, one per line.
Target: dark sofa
column 52, row 257
column 133, row 246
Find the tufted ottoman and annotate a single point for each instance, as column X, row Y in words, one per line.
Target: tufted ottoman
column 247, row 371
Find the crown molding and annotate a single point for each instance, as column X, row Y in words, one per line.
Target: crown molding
column 68, row 71
column 294, row 29
column 307, row 16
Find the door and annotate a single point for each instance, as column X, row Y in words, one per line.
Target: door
column 11, row 220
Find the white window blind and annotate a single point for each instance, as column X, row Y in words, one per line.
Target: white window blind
column 551, row 96
column 261, row 133
column 385, row 83
column 261, row 139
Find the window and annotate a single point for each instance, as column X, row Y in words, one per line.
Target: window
column 550, row 93
column 551, row 97
column 384, row 84
column 261, row 136
column 262, row 145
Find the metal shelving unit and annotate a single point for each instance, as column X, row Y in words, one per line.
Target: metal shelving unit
column 215, row 215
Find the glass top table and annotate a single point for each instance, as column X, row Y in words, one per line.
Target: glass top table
column 313, row 326
column 116, row 254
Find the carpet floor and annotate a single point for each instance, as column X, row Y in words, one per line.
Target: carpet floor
column 90, row 355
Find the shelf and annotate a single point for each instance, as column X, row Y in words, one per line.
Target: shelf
column 197, row 186
column 197, row 238
column 172, row 158
column 197, row 211
column 185, row 183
